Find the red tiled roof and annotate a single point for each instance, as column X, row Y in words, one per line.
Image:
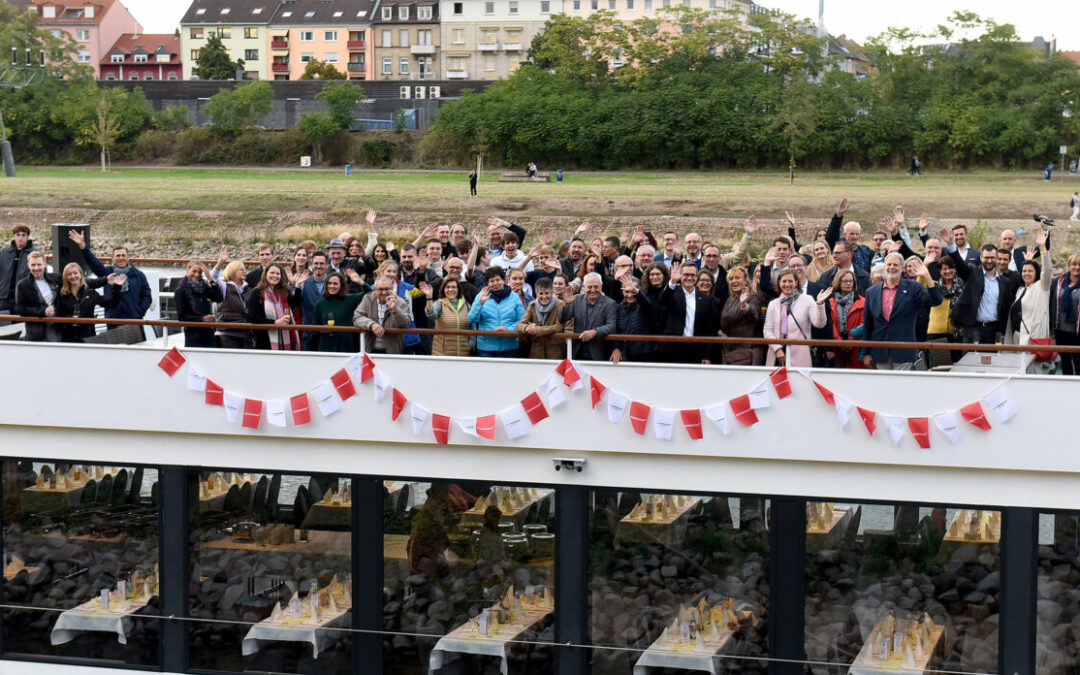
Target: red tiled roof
column 149, row 42
column 1072, row 56
column 100, row 8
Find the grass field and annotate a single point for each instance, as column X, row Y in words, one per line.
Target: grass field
column 184, row 211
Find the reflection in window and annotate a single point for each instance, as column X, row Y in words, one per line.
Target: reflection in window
column 1057, row 632
column 902, row 587
column 81, row 555
column 473, row 566
column 679, row 581
column 272, row 553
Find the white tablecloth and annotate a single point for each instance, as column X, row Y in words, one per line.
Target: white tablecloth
column 90, row 617
column 292, row 630
column 463, row 641
column 666, row 653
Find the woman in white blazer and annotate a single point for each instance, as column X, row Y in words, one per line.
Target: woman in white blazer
column 790, row 317
column 1029, row 313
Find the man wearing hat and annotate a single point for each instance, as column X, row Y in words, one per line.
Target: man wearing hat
column 336, row 249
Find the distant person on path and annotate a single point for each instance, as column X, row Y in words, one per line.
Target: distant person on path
column 1075, row 203
column 915, row 164
column 472, row 182
column 1049, row 170
column 531, row 170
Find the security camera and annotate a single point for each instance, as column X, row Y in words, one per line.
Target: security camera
column 569, row 463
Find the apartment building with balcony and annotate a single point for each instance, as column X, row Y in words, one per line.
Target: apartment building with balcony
column 94, row 26
column 488, row 39
column 241, row 25
column 333, row 31
column 407, row 40
column 628, row 10
column 144, row 58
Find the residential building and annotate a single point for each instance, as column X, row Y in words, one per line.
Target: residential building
column 849, row 56
column 95, row 25
column 1072, row 56
column 143, row 57
column 628, row 10
column 407, row 39
column 334, row 31
column 487, row 39
column 240, row 24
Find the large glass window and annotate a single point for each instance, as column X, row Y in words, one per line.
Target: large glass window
column 1057, row 633
column 677, row 581
column 81, row 562
column 473, row 566
column 902, row 587
column 270, row 565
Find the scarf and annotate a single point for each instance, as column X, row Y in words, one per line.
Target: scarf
column 276, row 307
column 543, row 311
column 843, row 306
column 127, row 272
column 954, row 292
column 191, row 289
column 501, row 294
column 785, row 312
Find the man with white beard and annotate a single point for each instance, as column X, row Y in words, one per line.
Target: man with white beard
column 892, row 309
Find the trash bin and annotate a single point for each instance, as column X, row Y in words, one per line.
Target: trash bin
column 558, row 176
column 348, row 169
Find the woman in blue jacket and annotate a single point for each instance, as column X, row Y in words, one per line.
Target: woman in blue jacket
column 497, row 309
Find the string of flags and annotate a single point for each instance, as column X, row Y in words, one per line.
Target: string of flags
column 518, row 419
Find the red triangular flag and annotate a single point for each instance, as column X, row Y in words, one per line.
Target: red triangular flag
column 344, row 384
column 534, row 408
column 780, row 382
column 367, row 369
column 440, row 424
column 826, row 394
column 920, row 429
column 172, row 361
column 743, row 412
column 485, row 427
column 253, row 409
column 301, row 409
column 569, row 372
column 868, row 417
column 399, row 404
column 639, row 416
column 597, row 390
column 215, row 395
column 691, row 419
column 973, row 414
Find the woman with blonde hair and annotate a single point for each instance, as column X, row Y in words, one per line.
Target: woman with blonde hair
column 76, row 299
column 273, row 302
column 822, row 260
column 741, row 317
column 791, row 316
column 1065, row 313
column 233, row 306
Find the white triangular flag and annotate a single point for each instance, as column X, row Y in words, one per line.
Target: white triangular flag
column 515, row 424
column 759, row 396
column 843, row 409
column 998, row 399
column 895, row 425
column 354, row 366
column 949, row 423
column 382, row 385
column 196, row 381
column 233, row 403
column 468, row 425
column 326, row 399
column 420, row 416
column 275, row 412
column 580, row 384
column 553, row 388
column 718, row 414
column 663, row 421
column 616, row 406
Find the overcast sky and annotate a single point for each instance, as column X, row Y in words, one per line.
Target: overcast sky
column 855, row 18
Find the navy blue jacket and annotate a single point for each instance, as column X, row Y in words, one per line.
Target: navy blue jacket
column 134, row 303
column 911, row 299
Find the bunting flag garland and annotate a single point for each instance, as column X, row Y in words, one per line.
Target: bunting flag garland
column 536, row 407
column 780, row 382
column 253, row 410
column 973, row 414
column 920, row 429
column 691, row 419
column 399, row 404
column 301, row 409
column 639, row 417
column 172, row 361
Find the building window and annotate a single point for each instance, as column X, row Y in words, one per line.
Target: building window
column 82, row 35
column 140, row 58
column 196, row 33
column 387, row 37
column 648, row 5
column 403, row 37
column 257, row 11
column 423, row 12
column 251, row 33
column 489, row 8
column 403, row 68
column 514, row 62
column 387, row 13
column 163, row 58
column 133, row 76
column 611, row 5
column 225, row 10
column 110, row 76
column 458, row 10
column 513, row 37
column 457, row 62
column 488, row 36
column 194, row 54
column 148, row 76
column 309, row 14
column 330, row 57
column 225, row 33
column 387, row 66
column 545, row 6
column 459, row 36
column 489, row 62
column 403, row 12
column 307, row 36
column 251, row 54
column 577, row 5
column 329, row 36
column 423, row 37
column 200, row 11
column 630, row 5
column 173, row 76
column 513, row 7
column 306, row 57
column 83, row 56
column 117, row 58
column 286, row 14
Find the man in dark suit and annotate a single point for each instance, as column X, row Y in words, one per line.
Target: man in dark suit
column 842, row 254
column 593, row 314
column 959, row 235
column 1008, row 242
column 574, row 258
column 689, row 313
column 711, row 263
column 892, row 309
column 983, row 306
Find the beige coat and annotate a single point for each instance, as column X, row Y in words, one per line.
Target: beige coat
column 445, row 318
column 544, row 347
column 1034, row 308
column 367, row 314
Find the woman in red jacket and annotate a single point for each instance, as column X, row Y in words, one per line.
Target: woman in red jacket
column 846, row 309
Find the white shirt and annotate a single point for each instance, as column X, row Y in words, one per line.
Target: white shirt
column 691, row 311
column 45, row 290
column 506, row 263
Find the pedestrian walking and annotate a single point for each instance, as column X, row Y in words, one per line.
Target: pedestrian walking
column 915, row 164
column 1075, row 204
column 472, row 182
column 1049, row 170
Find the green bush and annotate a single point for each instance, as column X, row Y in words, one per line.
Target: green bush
column 375, row 152
column 153, row 145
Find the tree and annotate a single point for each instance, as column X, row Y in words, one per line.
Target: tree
column 214, row 62
column 104, row 131
column 341, row 99
column 233, row 110
column 796, row 119
column 316, row 128
column 19, row 32
column 319, row 70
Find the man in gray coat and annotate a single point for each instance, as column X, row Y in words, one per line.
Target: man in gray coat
column 593, row 314
column 377, row 312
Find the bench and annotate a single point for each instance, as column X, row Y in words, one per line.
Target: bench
column 524, row 178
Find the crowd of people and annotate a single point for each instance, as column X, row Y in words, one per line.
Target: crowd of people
column 841, row 285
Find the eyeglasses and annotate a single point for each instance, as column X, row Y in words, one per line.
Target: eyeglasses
column 624, row 265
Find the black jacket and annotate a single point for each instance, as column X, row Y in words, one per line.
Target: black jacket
column 28, row 302
column 13, row 269
column 83, row 305
column 965, row 309
column 705, row 325
column 256, row 313
column 193, row 303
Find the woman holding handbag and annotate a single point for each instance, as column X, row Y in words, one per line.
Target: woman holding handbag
column 1029, row 313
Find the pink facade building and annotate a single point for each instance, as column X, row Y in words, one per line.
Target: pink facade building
column 94, row 25
column 143, row 57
